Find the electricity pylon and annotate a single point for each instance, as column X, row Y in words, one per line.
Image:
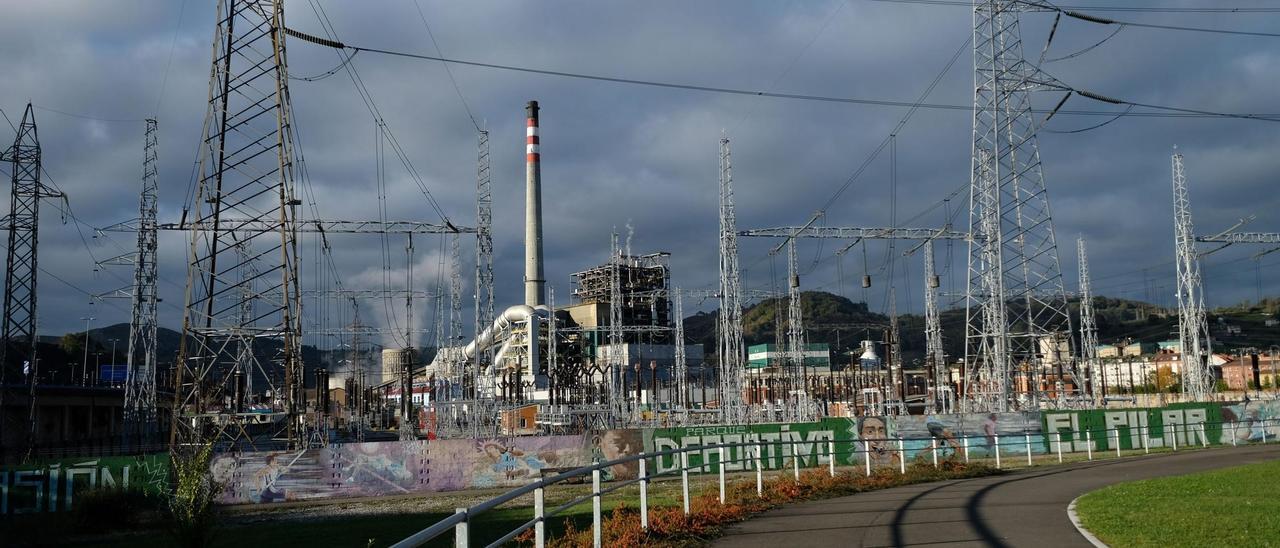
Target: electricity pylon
column 730, row 347
column 18, row 348
column 246, row 171
column 1193, row 330
column 1088, row 324
column 140, row 382
column 1016, row 308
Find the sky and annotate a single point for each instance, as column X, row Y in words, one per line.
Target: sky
column 643, row 160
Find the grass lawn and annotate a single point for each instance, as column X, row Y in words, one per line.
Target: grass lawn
column 1237, row 506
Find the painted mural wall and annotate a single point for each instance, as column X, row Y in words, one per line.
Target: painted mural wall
column 1179, row 424
column 389, row 468
column 51, row 486
column 853, row 438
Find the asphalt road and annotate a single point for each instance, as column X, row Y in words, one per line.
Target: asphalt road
column 1023, row 508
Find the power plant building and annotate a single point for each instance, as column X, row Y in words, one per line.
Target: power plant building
column 817, row 357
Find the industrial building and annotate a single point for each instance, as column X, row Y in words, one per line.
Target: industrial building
column 772, row 357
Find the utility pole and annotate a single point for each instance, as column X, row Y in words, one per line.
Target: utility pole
column 1088, row 325
column 1193, row 330
column 1013, row 255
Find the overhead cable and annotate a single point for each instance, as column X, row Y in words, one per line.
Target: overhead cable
column 1170, row 112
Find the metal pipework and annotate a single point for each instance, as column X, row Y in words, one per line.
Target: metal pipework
column 534, row 284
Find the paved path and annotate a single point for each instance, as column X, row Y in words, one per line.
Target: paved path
column 1024, row 508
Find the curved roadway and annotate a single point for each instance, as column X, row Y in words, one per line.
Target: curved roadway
column 1023, row 508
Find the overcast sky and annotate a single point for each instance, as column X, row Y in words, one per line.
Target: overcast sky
column 618, row 155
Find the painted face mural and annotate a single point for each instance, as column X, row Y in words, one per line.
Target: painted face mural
column 874, row 433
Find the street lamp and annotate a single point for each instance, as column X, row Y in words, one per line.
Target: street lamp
column 84, row 365
column 112, row 361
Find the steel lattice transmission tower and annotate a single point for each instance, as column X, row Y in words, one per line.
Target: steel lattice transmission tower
column 1088, row 324
column 246, row 172
column 18, row 351
column 140, row 384
column 934, row 353
column 484, row 255
column 799, row 409
column 455, row 311
column 1193, row 330
column 1015, row 301
column 729, row 344
column 617, row 360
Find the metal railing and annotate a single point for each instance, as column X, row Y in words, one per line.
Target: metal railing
column 752, row 456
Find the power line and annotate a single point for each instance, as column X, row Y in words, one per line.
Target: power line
column 1163, row 111
column 86, row 116
column 1104, row 21
column 447, row 70
column 173, row 45
column 1130, row 9
column 370, row 104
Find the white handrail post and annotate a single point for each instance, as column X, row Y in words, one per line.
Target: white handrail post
column 966, row 449
column 831, row 457
column 723, row 453
column 795, row 460
column 1204, row 438
column 1088, row 443
column 1175, row 438
column 1264, row 432
column 933, row 447
column 1028, row 439
column 684, row 479
column 759, row 473
column 1117, row 431
column 1058, row 434
column 1142, row 430
column 902, row 457
column 997, row 439
column 866, row 449
column 644, row 493
column 1233, row 433
column 595, row 508
column 460, row 530
column 539, row 513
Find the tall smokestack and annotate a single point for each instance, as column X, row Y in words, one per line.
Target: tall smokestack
column 534, row 284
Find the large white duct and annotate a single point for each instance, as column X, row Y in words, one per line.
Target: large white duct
column 501, row 325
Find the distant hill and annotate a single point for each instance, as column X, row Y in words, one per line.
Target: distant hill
column 827, row 315
column 1118, row 320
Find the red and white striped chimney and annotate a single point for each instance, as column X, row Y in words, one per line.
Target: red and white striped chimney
column 534, row 284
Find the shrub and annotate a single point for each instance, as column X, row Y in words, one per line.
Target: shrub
column 193, row 517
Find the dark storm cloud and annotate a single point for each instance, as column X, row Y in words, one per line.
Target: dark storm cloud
column 622, row 155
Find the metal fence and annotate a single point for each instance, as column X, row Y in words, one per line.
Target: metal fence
column 1009, row 451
